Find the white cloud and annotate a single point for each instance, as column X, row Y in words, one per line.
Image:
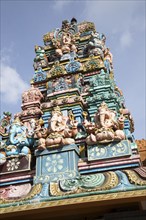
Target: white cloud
column 126, row 39
column 12, row 85
column 58, row 5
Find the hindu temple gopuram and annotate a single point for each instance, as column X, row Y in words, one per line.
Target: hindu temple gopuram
column 70, row 153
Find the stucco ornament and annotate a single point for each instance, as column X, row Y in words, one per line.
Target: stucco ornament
column 65, row 45
column 61, row 130
column 5, row 123
column 20, row 140
column 106, row 126
column 96, row 44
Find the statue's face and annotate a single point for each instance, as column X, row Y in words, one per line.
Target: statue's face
column 57, row 116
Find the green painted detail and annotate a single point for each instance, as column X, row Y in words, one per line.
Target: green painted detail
column 112, row 150
column 86, row 182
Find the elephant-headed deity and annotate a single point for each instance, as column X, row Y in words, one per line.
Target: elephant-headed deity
column 61, row 130
column 21, row 137
column 20, row 140
column 106, row 127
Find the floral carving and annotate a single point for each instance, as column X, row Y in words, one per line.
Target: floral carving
column 54, row 163
column 93, row 64
column 13, row 164
column 57, row 69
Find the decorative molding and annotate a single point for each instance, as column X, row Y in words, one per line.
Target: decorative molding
column 93, row 63
column 15, row 191
column 141, row 144
column 134, row 178
column 111, row 181
column 36, row 189
column 138, row 195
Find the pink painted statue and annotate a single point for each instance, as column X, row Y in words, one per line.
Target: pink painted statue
column 66, row 45
column 106, row 127
column 61, row 130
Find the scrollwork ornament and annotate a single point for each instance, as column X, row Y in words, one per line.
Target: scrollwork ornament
column 134, row 178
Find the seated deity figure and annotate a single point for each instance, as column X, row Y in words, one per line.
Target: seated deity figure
column 20, row 140
column 106, row 127
column 66, row 45
column 61, row 129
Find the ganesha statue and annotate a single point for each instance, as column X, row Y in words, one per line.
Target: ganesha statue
column 106, row 126
column 61, row 130
column 20, row 140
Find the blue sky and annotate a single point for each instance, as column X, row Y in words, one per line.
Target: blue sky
column 23, row 24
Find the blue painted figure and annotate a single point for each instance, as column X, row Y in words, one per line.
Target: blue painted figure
column 20, row 140
column 19, row 137
column 40, row 75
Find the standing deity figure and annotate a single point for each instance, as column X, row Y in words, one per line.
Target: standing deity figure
column 106, row 126
column 5, row 123
column 108, row 59
column 41, row 134
column 41, row 59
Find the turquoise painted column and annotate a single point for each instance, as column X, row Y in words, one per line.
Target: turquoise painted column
column 57, row 164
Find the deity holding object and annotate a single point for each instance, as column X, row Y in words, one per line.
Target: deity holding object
column 106, row 127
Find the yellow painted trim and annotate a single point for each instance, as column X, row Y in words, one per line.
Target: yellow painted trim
column 138, row 194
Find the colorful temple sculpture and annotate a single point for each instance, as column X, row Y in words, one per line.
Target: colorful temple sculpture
column 72, row 145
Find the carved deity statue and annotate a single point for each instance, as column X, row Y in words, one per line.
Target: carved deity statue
column 96, row 44
column 5, row 123
column 20, row 140
column 41, row 59
column 61, row 130
column 108, row 59
column 66, row 44
column 106, row 127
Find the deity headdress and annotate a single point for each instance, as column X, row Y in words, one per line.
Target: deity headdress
column 103, row 104
column 56, row 110
column 17, row 121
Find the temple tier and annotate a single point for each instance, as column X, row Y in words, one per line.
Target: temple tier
column 74, row 135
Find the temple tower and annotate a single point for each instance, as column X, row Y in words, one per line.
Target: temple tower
column 74, row 135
